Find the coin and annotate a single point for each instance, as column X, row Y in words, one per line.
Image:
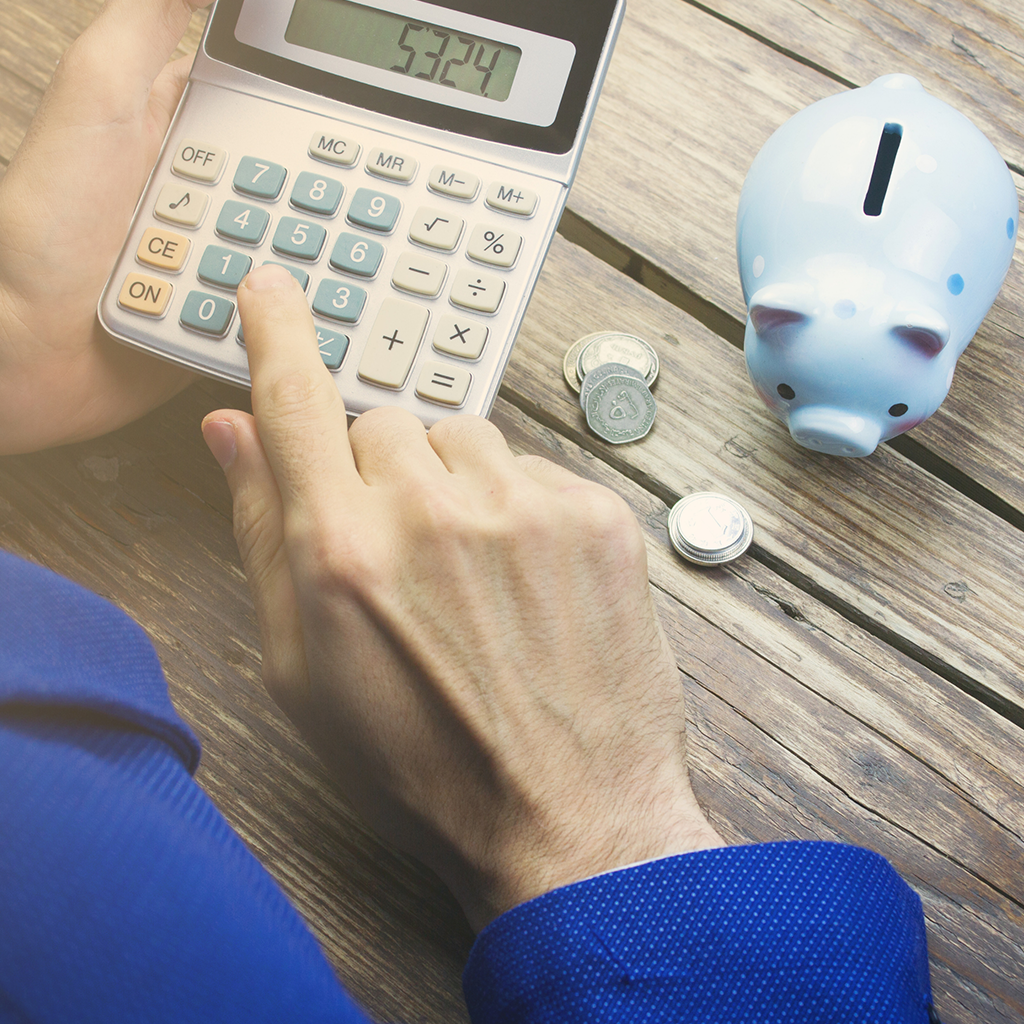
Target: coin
column 709, row 529
column 619, row 348
column 572, row 356
column 621, row 409
column 597, row 375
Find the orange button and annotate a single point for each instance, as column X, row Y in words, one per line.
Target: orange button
column 142, row 294
column 163, row 249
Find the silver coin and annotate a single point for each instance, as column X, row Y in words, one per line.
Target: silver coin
column 619, row 348
column 621, row 409
column 571, row 359
column 709, row 529
column 598, row 374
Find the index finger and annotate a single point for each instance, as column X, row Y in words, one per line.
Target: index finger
column 299, row 414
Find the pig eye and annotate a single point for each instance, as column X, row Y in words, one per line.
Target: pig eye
column 898, row 409
column 786, row 391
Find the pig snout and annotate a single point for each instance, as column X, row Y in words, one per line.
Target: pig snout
column 834, row 431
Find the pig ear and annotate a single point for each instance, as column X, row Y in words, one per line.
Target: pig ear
column 778, row 306
column 922, row 327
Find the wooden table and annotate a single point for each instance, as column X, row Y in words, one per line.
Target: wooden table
column 858, row 676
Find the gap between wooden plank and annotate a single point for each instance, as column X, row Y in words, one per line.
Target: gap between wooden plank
column 599, row 243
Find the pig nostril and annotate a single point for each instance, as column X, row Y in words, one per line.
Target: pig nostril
column 786, row 392
column 898, row 409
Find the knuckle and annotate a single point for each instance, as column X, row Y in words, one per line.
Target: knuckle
column 462, row 431
column 297, row 394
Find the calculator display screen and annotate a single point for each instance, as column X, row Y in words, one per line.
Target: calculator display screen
column 433, row 53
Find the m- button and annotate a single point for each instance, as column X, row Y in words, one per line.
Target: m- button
column 511, row 199
column 163, row 249
column 198, row 161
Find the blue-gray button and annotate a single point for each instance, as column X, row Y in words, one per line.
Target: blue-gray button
column 333, row 347
column 375, row 210
column 316, row 193
column 300, row 275
column 223, row 267
column 339, row 301
column 208, row 314
column 242, row 222
column 355, row 255
column 299, row 238
column 259, row 178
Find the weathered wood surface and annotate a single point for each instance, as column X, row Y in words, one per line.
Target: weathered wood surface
column 689, row 101
column 887, row 541
column 814, row 712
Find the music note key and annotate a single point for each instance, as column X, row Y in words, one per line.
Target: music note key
column 181, row 204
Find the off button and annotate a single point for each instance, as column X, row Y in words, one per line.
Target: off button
column 199, row 161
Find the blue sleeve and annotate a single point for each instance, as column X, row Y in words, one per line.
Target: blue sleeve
column 778, row 933
column 124, row 895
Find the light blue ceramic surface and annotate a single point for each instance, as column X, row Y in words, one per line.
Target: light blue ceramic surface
column 865, row 275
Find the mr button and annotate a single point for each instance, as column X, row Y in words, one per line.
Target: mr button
column 163, row 249
column 198, row 161
column 147, row 295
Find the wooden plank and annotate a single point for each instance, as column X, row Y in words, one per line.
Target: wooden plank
column 894, row 547
column 800, row 727
column 662, row 181
column 803, row 726
column 966, row 53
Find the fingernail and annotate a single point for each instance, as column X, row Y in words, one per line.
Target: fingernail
column 267, row 277
column 219, row 436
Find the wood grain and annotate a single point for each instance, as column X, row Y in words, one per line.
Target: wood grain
column 662, row 180
column 881, row 538
column 813, row 712
column 803, row 726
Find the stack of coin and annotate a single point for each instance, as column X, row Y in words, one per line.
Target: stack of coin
column 613, row 374
column 709, row 529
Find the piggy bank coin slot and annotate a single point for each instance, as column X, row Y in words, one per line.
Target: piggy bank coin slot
column 885, row 158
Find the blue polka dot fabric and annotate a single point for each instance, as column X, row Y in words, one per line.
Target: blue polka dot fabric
column 778, row 933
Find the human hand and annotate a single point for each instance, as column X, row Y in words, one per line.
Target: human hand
column 466, row 638
column 65, row 205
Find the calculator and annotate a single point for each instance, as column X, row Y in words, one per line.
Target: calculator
column 407, row 162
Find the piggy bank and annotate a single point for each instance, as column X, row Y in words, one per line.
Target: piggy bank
column 874, row 231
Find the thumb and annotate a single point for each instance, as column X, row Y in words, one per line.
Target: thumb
column 259, row 532
column 107, row 73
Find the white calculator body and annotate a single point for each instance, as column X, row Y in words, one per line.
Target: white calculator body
column 407, row 162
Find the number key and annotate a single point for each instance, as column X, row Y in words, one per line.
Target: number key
column 259, row 178
column 355, row 255
column 317, row 194
column 375, row 210
column 242, row 223
column 208, row 314
column 223, row 267
column 339, row 301
column 299, row 239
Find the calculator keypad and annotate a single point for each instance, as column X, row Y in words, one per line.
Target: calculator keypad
column 335, row 234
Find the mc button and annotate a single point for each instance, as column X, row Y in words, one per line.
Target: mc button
column 163, row 249
column 198, row 161
column 146, row 295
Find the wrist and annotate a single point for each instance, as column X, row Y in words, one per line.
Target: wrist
column 593, row 845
